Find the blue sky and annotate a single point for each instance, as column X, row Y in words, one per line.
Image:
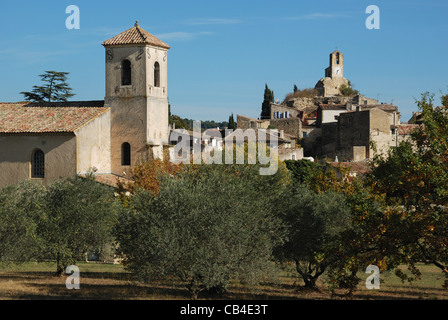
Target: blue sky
column 223, row 52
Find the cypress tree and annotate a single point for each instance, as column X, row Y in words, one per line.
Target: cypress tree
column 232, row 124
column 268, row 99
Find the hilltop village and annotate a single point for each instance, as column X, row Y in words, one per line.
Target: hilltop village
column 333, row 121
column 52, row 140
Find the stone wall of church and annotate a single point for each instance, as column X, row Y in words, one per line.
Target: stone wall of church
column 157, row 121
column 128, row 125
column 16, row 153
column 93, row 147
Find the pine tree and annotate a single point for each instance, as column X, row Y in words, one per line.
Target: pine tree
column 54, row 89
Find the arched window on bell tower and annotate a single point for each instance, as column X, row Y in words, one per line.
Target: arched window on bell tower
column 126, row 154
column 337, row 57
column 156, row 74
column 126, row 74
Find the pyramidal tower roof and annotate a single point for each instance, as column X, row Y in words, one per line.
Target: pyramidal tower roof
column 135, row 35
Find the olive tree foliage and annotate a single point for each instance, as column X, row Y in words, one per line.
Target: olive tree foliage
column 61, row 222
column 315, row 223
column 79, row 216
column 205, row 228
column 21, row 206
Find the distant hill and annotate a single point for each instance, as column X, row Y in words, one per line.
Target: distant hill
column 185, row 123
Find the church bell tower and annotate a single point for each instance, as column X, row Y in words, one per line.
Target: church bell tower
column 336, row 68
column 331, row 84
column 137, row 94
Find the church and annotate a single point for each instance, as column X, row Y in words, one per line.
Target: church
column 44, row 142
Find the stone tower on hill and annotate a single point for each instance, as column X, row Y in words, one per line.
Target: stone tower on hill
column 334, row 77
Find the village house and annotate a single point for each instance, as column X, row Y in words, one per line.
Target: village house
column 189, row 144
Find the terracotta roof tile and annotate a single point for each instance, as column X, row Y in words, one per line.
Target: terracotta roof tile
column 135, row 35
column 406, row 129
column 384, row 107
column 332, row 106
column 23, row 117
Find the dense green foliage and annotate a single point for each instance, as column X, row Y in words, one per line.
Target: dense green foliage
column 314, row 224
column 302, row 171
column 78, row 218
column 205, row 227
column 348, row 90
column 21, row 207
column 61, row 222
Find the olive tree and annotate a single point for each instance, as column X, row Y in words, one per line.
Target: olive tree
column 205, row 227
column 79, row 216
column 315, row 223
column 21, row 206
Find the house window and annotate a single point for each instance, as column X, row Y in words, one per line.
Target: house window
column 304, row 134
column 293, row 157
column 126, row 73
column 38, row 164
column 125, row 154
column 156, row 74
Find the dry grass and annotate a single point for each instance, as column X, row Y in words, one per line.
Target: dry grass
column 33, row 281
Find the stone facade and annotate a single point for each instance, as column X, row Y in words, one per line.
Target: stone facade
column 139, row 111
column 290, row 126
column 357, row 135
column 15, row 164
column 93, row 148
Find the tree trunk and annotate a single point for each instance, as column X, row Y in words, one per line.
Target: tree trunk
column 59, row 267
column 308, row 277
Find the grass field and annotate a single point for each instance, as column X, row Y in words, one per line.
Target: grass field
column 32, row 281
